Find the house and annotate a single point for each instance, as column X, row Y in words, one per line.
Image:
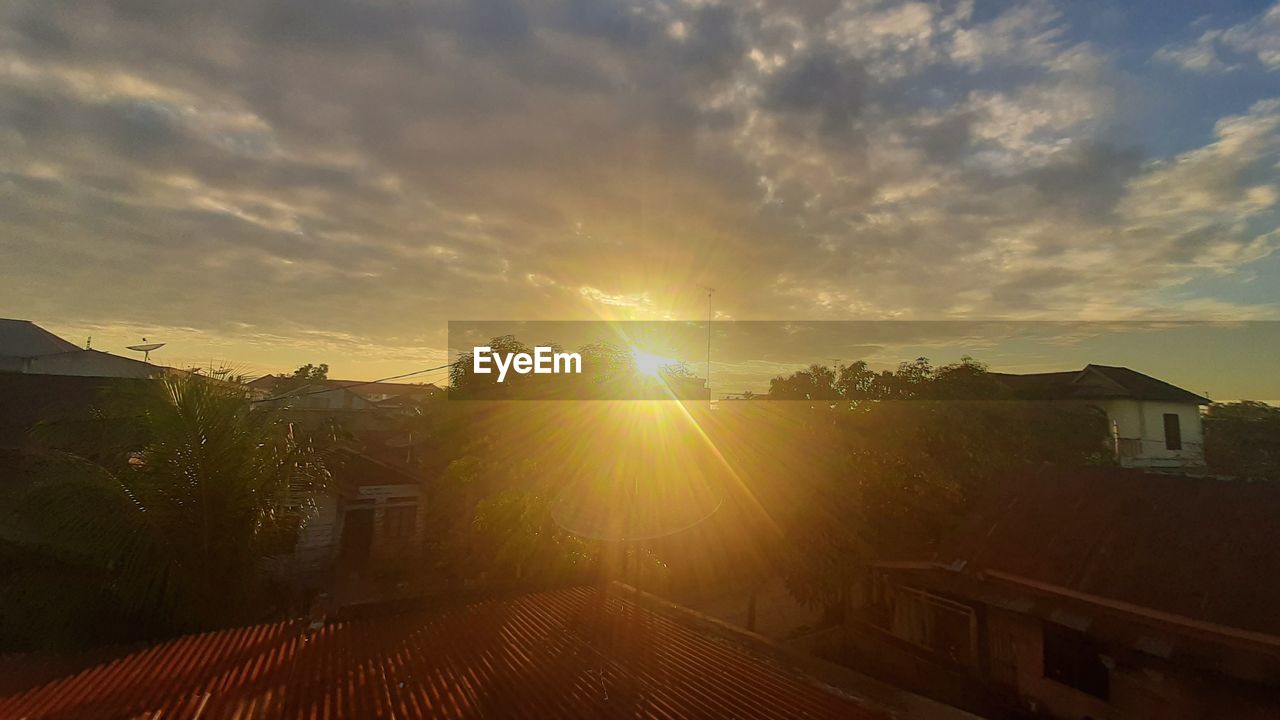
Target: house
column 29, row 349
column 44, row 378
column 346, row 394
column 365, row 536
column 358, row 406
column 1101, row 593
column 1153, row 424
column 606, row 652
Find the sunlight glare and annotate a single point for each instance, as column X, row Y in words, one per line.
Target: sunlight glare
column 650, row 364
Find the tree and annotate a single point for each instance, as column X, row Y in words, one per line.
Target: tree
column 173, row 532
column 816, row 383
column 901, row 470
column 1243, row 438
column 306, row 375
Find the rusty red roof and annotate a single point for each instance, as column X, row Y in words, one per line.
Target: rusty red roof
column 569, row 653
column 1198, row 547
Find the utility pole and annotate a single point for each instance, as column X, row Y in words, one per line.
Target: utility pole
column 710, row 396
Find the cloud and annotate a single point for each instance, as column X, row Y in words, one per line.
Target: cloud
column 1256, row 40
column 370, row 170
column 1026, row 34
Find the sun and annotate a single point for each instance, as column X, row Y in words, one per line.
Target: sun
column 648, row 363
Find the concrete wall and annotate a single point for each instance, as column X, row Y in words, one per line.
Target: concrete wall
column 318, row 541
column 403, row 551
column 314, row 554
column 85, row 363
column 1019, row 639
column 1140, row 427
column 874, row 651
column 1141, row 687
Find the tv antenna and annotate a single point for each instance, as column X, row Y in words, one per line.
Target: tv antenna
column 711, row 402
column 145, row 348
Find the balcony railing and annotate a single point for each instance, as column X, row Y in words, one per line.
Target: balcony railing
column 1155, row 449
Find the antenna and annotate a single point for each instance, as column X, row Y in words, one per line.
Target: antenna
column 710, row 396
column 145, row 348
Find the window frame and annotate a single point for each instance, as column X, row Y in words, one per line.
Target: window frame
column 1172, row 440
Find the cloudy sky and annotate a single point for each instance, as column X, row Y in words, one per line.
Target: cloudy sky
column 269, row 183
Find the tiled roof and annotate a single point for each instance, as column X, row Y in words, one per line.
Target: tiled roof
column 568, row 653
column 1097, row 382
column 1145, row 387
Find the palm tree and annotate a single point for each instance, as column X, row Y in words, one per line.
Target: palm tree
column 174, row 532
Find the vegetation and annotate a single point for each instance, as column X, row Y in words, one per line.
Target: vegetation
column 156, row 519
column 306, row 375
column 155, row 525
column 1243, row 439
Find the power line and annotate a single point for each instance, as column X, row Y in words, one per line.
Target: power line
column 288, row 396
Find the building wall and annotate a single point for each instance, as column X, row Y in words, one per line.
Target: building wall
column 1141, row 688
column 1016, row 657
column 1140, row 427
column 390, row 550
column 394, row 547
column 318, row 542
column 316, row 549
column 88, row 363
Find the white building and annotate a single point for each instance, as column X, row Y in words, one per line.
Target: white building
column 1153, row 424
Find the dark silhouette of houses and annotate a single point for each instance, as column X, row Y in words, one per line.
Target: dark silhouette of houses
column 1093, row 593
column 29, row 349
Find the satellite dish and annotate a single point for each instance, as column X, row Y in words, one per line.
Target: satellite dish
column 145, row 348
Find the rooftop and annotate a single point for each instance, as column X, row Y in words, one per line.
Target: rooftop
column 569, row 653
column 1097, row 382
column 1197, row 547
column 23, row 338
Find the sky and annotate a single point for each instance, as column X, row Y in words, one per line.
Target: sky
column 262, row 184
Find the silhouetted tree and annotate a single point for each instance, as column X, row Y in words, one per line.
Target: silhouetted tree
column 911, row 448
column 306, row 375
column 169, row 534
column 1243, row 438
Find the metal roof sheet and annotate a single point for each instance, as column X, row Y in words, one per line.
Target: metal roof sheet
column 1198, row 547
column 23, row 338
column 570, row 653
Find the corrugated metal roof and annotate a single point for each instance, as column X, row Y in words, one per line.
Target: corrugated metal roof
column 1202, row 548
column 569, row 653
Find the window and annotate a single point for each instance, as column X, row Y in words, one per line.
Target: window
column 1172, row 432
column 400, row 521
column 1072, row 659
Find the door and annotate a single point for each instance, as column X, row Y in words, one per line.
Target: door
column 357, row 536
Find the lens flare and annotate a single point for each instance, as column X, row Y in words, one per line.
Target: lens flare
column 649, row 364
